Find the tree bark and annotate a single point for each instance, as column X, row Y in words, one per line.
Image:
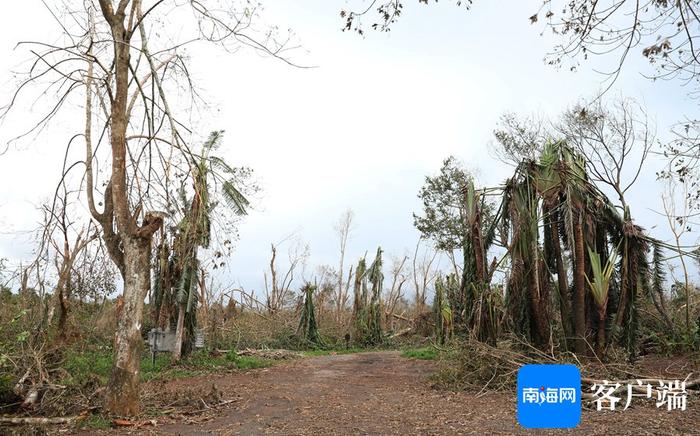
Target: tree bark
column 179, row 332
column 538, row 304
column 624, row 288
column 600, row 346
column 562, row 280
column 579, row 287
column 122, row 396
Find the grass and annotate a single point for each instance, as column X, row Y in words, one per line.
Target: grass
column 315, row 353
column 425, row 353
column 89, row 366
column 95, row 422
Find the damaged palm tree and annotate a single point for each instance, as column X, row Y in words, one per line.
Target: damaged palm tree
column 175, row 287
column 308, row 328
column 557, row 192
column 359, row 306
column 367, row 309
column 442, row 313
column 374, row 311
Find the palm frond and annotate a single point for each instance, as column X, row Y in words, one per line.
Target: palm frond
column 234, row 198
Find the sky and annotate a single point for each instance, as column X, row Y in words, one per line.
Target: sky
column 359, row 130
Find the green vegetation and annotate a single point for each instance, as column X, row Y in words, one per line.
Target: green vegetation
column 89, row 366
column 368, row 308
column 95, row 422
column 308, row 329
column 425, row 353
column 316, row 353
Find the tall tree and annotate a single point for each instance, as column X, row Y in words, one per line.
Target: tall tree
column 132, row 72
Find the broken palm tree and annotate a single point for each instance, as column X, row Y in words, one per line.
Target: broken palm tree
column 177, row 265
column 308, row 328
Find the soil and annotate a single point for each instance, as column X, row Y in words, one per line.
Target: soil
column 375, row 393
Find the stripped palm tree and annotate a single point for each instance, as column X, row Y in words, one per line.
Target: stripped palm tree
column 374, row 314
column 574, row 214
column 360, row 307
column 308, row 327
column 177, row 271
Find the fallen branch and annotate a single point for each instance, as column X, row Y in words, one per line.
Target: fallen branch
column 35, row 420
column 136, row 424
column 401, row 332
column 403, row 318
column 279, row 354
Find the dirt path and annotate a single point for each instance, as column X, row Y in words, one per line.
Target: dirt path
column 380, row 393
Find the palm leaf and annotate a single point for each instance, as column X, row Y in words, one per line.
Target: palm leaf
column 602, row 275
column 234, row 198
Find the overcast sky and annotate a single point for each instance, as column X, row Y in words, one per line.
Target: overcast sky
column 359, row 131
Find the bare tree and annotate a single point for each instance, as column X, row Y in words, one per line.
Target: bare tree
column 134, row 74
column 65, row 257
column 423, row 273
column 395, row 294
column 279, row 289
column 343, row 228
column 614, row 137
column 679, row 224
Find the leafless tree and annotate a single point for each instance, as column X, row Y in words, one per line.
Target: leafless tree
column 615, row 137
column 64, row 258
column 343, row 228
column 279, row 289
column 134, row 74
column 395, row 294
column 679, row 224
column 663, row 31
column 424, row 273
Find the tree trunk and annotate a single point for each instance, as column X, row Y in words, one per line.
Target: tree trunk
column 122, row 396
column 562, row 281
column 600, row 349
column 204, row 298
column 179, row 332
column 624, row 288
column 538, row 304
column 63, row 312
column 579, row 287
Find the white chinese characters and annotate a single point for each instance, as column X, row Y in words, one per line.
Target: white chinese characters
column 672, row 395
column 544, row 395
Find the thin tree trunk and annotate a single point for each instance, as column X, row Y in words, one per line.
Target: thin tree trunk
column 204, row 298
column 601, row 330
column 179, row 332
column 579, row 287
column 624, row 288
column 122, row 396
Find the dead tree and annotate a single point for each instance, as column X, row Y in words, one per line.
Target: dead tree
column 343, row 228
column 65, row 257
column 423, row 274
column 395, row 294
column 278, row 293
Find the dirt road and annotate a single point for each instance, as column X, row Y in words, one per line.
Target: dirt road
column 379, row 393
